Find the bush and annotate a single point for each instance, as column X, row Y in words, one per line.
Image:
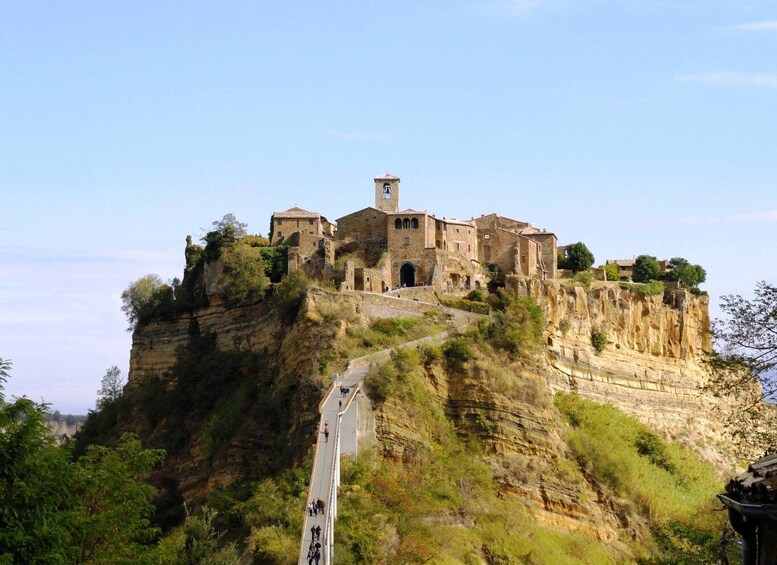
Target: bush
column 244, row 274
column 652, row 288
column 577, row 258
column 518, row 328
column 457, row 351
column 289, row 295
column 478, row 295
column 598, row 340
column 585, row 278
column 464, row 304
column 611, row 271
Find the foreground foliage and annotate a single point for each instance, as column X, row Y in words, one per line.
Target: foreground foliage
column 55, row 510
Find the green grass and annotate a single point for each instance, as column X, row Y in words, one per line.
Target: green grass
column 670, row 485
column 652, row 288
column 441, row 502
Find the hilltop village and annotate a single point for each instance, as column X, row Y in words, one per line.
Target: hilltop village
column 383, row 247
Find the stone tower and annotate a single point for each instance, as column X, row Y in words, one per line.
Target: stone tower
column 387, row 193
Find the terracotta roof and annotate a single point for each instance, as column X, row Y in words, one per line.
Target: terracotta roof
column 387, row 177
column 296, row 213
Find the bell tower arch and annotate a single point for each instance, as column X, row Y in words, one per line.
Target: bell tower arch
column 387, row 193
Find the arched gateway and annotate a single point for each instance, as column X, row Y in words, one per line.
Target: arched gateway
column 407, row 275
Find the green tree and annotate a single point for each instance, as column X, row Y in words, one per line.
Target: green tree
column 244, row 273
column 578, row 257
column 110, row 522
column 141, row 299
column 611, row 271
column 111, row 387
column 54, row 510
column 685, row 273
column 34, row 488
column 744, row 363
column 229, row 223
column 197, row 542
column 646, row 268
column 5, row 368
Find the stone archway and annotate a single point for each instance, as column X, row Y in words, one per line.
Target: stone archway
column 407, row 275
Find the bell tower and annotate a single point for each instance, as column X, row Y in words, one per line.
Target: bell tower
column 387, row 193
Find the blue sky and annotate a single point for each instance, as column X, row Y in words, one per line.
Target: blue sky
column 634, row 126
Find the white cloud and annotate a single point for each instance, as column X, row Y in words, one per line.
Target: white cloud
column 360, row 135
column 770, row 25
column 732, row 79
column 761, row 217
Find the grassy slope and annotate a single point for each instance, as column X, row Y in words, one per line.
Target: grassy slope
column 443, row 504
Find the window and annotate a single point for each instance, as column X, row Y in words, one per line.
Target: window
column 279, row 221
column 397, row 224
column 297, row 224
column 407, row 241
column 414, row 223
column 457, row 246
column 457, row 230
column 406, row 224
column 310, row 222
column 280, row 234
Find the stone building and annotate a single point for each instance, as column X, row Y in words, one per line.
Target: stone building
column 382, row 247
column 308, row 236
column 516, row 247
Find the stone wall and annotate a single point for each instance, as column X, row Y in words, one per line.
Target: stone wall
column 368, row 224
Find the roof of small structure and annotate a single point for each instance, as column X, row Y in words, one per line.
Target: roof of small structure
column 296, row 213
column 758, row 483
column 456, row 221
column 387, row 177
column 621, row 262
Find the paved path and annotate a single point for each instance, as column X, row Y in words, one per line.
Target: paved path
column 325, row 477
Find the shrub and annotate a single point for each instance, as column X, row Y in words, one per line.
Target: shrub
column 611, row 271
column 464, row 304
column 563, row 326
column 457, row 351
column 585, row 278
column 577, row 257
column 598, row 340
column 289, row 295
column 652, row 288
column 244, row 274
column 478, row 295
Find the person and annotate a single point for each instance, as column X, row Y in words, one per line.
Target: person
column 318, row 532
column 321, row 503
column 326, row 427
column 312, row 532
column 311, row 556
column 317, row 556
column 340, row 404
column 326, row 436
column 310, row 509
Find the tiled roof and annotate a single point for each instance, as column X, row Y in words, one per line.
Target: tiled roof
column 387, row 177
column 296, row 213
column 621, row 262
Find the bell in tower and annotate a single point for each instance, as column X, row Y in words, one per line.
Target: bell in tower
column 387, row 193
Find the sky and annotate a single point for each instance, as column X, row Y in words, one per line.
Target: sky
column 635, row 126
